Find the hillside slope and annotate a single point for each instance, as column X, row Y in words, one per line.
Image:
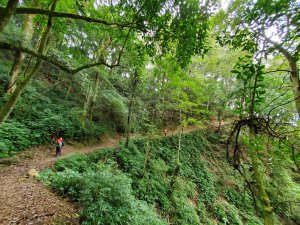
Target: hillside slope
column 145, row 184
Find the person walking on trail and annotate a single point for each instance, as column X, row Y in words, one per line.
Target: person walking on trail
column 165, row 132
column 59, row 145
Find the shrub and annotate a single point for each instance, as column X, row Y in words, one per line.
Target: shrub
column 226, row 213
column 77, row 162
column 14, row 136
column 184, row 210
column 236, row 198
column 106, row 197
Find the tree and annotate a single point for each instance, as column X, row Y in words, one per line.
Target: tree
column 27, row 30
column 262, row 22
column 8, row 106
column 155, row 22
column 253, row 89
column 215, row 71
column 7, row 12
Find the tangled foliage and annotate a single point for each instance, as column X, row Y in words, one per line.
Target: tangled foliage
column 106, row 196
column 122, row 185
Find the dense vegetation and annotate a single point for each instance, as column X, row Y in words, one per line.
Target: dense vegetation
column 128, row 185
column 83, row 69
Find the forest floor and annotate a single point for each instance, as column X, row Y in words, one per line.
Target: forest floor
column 24, row 200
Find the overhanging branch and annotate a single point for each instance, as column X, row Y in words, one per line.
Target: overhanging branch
column 22, row 10
column 275, row 71
column 56, row 63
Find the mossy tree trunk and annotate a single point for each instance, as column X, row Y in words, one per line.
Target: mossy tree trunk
column 20, row 56
column 128, row 125
column 296, row 82
column 13, row 98
column 134, row 83
column 179, row 137
column 86, row 105
column 259, row 180
column 95, row 95
column 7, row 13
column 258, row 175
column 94, row 87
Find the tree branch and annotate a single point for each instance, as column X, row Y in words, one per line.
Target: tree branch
column 279, row 47
column 275, row 71
column 22, row 10
column 279, row 105
column 54, row 62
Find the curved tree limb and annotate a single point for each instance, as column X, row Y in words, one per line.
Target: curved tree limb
column 23, row 10
column 274, row 71
column 54, row 62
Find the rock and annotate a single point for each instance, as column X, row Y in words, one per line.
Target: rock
column 32, row 173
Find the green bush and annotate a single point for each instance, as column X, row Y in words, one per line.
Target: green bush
column 156, row 181
column 184, row 211
column 238, row 200
column 38, row 125
column 14, row 137
column 77, row 162
column 226, row 213
column 106, row 197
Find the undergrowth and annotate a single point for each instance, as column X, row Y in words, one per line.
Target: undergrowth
column 144, row 184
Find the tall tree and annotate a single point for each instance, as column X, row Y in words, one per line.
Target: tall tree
column 27, row 30
column 263, row 22
column 43, row 43
column 251, row 76
column 160, row 24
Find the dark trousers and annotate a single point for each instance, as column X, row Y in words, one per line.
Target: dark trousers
column 58, row 150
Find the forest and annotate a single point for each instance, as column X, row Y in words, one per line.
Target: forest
column 176, row 112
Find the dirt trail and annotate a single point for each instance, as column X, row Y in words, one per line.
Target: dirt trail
column 24, row 200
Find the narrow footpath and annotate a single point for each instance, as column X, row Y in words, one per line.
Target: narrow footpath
column 24, row 200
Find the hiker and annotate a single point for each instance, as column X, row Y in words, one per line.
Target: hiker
column 165, row 132
column 59, row 145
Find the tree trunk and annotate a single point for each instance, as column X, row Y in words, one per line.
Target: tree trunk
column 128, row 123
column 294, row 72
column 87, row 104
column 132, row 95
column 20, row 56
column 95, row 95
column 257, row 174
column 15, row 71
column 93, row 90
column 258, row 177
column 7, row 13
column 179, row 138
column 296, row 83
column 12, row 100
column 147, row 151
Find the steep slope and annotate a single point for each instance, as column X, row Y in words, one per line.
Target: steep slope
column 113, row 186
